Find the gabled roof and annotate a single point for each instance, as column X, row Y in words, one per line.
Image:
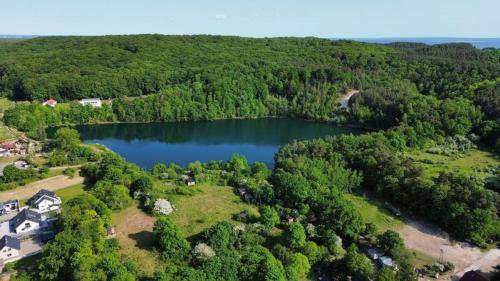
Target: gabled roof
column 25, row 215
column 473, row 276
column 8, row 241
column 41, row 193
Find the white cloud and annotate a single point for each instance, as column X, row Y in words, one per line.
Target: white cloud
column 220, row 16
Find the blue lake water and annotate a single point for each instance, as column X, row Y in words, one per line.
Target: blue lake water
column 185, row 142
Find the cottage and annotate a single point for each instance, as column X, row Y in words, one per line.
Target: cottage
column 26, row 221
column 50, row 102
column 9, row 247
column 45, row 201
column 8, row 207
column 474, row 276
column 92, row 102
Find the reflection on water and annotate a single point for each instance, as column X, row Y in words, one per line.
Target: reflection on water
column 185, row 142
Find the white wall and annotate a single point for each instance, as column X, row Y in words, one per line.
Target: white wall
column 27, row 226
column 8, row 253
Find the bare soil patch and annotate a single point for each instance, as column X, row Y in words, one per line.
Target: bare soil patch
column 431, row 240
column 52, row 184
column 134, row 231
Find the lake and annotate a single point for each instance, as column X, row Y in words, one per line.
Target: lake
column 185, row 142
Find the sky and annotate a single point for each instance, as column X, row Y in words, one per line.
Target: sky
column 254, row 18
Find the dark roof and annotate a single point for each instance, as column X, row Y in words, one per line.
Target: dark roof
column 24, row 215
column 41, row 193
column 474, row 276
column 8, row 241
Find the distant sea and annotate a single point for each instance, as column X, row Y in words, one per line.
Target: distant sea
column 476, row 42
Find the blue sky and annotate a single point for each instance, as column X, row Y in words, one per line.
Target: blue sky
column 256, row 18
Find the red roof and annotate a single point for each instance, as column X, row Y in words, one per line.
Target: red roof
column 474, row 276
column 8, row 145
column 51, row 101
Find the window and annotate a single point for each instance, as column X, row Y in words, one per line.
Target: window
column 9, row 255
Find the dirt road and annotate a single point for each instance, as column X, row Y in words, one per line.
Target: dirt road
column 52, row 184
column 431, row 241
column 344, row 99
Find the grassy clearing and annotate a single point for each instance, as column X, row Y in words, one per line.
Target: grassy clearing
column 71, row 192
column 373, row 211
column 5, row 133
column 134, row 233
column 474, row 162
column 210, row 204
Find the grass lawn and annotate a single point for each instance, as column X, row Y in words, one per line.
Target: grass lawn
column 208, row 206
column 474, row 162
column 71, row 192
column 373, row 211
column 5, row 134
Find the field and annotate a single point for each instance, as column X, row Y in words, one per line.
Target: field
column 71, row 192
column 477, row 162
column 210, row 204
column 134, row 233
column 374, row 212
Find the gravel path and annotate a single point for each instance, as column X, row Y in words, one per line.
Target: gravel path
column 430, row 240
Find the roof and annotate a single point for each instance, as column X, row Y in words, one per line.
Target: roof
column 41, row 193
column 90, row 100
column 473, row 276
column 25, row 215
column 51, row 101
column 386, row 261
column 8, row 241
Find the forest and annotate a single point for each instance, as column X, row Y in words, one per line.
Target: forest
column 443, row 99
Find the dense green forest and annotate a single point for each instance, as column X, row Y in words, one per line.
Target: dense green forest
column 212, row 77
column 442, row 98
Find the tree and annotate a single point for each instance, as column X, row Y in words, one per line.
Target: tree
column 269, row 217
column 297, row 267
column 115, row 196
column 386, row 274
column 260, row 171
column 391, row 243
column 220, row 236
column 143, row 185
column 203, row 252
column 66, row 138
column 312, row 251
column 163, row 207
column 358, row 265
column 295, row 235
column 169, row 241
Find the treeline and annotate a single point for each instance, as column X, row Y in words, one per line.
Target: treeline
column 461, row 204
column 475, row 116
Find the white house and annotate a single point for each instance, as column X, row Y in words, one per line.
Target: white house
column 91, row 102
column 45, row 201
column 8, row 206
column 9, row 247
column 26, row 221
